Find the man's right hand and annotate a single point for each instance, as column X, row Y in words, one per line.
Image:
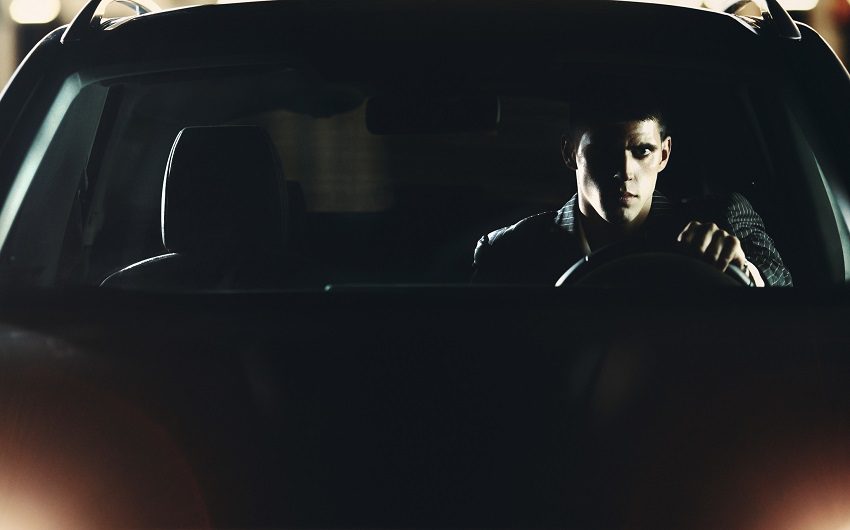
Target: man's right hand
column 718, row 247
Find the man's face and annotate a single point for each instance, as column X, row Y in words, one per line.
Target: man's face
column 616, row 167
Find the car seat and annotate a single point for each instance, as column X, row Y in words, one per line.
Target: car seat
column 223, row 214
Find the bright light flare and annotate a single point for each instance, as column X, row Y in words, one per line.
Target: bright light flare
column 721, row 5
column 794, row 5
column 817, row 505
column 34, row 11
column 26, row 514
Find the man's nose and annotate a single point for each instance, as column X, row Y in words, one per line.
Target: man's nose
column 626, row 167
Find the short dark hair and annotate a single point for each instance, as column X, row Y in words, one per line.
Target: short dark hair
column 591, row 111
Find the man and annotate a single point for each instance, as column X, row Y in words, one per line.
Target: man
column 617, row 152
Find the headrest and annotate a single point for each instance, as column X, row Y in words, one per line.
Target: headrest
column 223, row 192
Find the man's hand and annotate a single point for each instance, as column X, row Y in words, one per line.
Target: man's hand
column 718, row 247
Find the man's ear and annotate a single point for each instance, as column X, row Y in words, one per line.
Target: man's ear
column 568, row 153
column 666, row 148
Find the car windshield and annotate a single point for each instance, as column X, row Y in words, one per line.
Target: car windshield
column 387, row 178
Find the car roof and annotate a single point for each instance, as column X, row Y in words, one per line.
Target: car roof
column 586, row 29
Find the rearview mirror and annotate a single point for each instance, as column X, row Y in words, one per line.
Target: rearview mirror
column 409, row 114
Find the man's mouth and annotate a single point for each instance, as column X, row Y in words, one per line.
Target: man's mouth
column 627, row 198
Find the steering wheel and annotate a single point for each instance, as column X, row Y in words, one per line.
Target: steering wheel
column 644, row 264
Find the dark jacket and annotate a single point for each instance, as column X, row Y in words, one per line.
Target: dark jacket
column 540, row 248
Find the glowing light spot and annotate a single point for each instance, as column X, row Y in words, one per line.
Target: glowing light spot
column 24, row 514
column 34, row 11
column 798, row 5
column 722, row 5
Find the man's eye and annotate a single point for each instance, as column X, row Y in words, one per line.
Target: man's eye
column 641, row 152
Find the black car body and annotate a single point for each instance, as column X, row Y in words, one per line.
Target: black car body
column 390, row 393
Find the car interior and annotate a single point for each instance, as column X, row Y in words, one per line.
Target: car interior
column 299, row 183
